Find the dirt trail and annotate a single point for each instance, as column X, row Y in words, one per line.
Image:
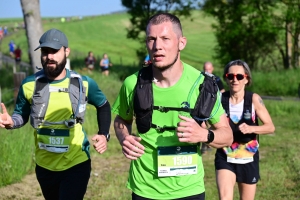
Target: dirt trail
column 29, row 189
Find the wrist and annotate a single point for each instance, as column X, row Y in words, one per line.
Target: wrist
column 123, row 138
column 106, row 135
column 210, row 136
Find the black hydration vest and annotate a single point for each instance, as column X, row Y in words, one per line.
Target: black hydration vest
column 238, row 136
column 143, row 101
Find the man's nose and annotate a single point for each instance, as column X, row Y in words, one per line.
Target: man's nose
column 50, row 56
column 158, row 44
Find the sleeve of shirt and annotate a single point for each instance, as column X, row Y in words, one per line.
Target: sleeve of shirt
column 22, row 109
column 95, row 95
column 123, row 106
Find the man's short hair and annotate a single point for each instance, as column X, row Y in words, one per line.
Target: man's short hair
column 166, row 17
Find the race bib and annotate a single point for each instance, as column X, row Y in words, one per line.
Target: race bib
column 54, row 140
column 177, row 160
column 241, row 153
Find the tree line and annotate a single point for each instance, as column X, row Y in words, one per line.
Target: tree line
column 264, row 33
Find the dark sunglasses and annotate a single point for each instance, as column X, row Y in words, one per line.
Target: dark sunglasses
column 238, row 76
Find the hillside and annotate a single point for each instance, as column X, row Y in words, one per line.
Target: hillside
column 107, row 34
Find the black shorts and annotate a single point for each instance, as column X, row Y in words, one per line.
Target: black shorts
column 194, row 197
column 104, row 69
column 245, row 173
column 68, row 184
column 18, row 60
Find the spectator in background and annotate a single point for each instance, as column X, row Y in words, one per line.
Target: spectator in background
column 5, row 31
column 12, row 48
column 90, row 61
column 1, row 33
column 208, row 67
column 18, row 54
column 105, row 64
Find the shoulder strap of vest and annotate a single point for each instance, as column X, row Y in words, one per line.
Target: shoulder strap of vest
column 76, row 80
column 143, row 99
column 248, row 103
column 225, row 101
column 39, row 99
column 208, row 92
column 144, row 82
column 41, row 82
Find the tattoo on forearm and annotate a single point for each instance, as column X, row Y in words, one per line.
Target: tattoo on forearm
column 261, row 102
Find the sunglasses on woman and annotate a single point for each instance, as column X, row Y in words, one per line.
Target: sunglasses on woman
column 238, row 76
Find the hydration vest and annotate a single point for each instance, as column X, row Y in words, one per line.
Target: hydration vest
column 238, row 136
column 40, row 100
column 143, row 101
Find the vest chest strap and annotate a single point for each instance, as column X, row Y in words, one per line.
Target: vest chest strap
column 163, row 128
column 167, row 109
column 55, row 89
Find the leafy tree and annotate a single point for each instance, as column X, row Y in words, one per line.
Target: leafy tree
column 34, row 29
column 243, row 30
column 288, row 21
column 142, row 10
column 257, row 31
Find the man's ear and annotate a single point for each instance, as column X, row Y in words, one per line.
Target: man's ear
column 68, row 50
column 182, row 43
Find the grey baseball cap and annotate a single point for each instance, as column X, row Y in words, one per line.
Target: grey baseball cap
column 54, row 39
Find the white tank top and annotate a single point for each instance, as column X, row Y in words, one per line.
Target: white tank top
column 236, row 111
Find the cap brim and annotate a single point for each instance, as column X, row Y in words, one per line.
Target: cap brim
column 49, row 45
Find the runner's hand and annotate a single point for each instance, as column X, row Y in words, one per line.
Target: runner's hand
column 5, row 118
column 188, row 130
column 246, row 129
column 132, row 148
column 100, row 143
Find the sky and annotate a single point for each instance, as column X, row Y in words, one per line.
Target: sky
column 62, row 8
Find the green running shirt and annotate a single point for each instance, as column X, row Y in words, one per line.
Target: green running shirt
column 143, row 177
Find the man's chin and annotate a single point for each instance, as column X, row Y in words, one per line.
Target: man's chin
column 161, row 66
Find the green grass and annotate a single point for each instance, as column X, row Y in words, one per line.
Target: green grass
column 17, row 154
column 279, row 83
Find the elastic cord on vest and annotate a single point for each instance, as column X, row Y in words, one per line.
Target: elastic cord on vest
column 190, row 95
column 80, row 94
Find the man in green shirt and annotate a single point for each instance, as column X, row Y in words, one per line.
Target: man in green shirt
column 166, row 162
